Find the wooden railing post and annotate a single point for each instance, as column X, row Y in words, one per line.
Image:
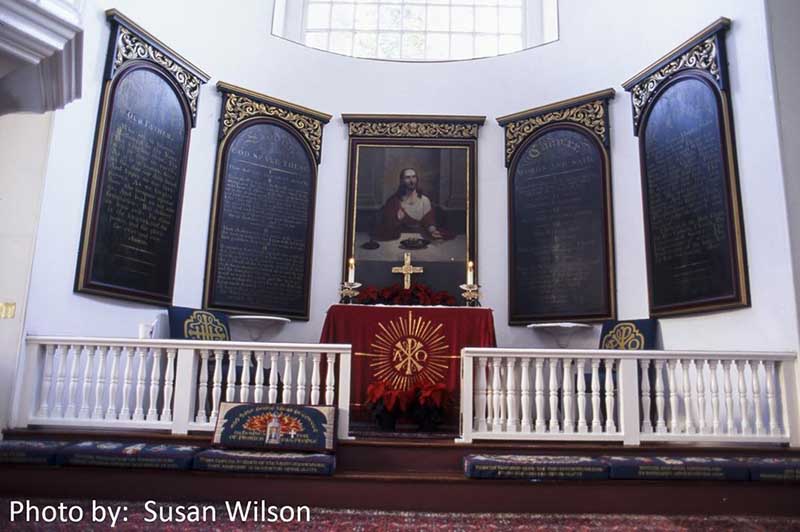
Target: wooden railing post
column 467, row 398
column 185, row 391
column 628, row 384
column 344, row 396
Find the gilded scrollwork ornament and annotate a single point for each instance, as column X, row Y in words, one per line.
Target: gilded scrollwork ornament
column 703, row 56
column 591, row 115
column 401, row 129
column 130, row 48
column 239, row 108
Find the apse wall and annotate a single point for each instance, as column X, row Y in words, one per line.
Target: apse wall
column 601, row 45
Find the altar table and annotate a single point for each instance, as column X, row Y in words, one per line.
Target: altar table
column 406, row 346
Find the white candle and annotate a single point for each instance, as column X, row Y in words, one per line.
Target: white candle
column 470, row 273
column 351, row 270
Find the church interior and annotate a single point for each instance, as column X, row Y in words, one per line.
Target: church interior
column 430, row 262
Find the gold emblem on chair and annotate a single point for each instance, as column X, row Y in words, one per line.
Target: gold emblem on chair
column 410, row 351
column 624, row 336
column 202, row 325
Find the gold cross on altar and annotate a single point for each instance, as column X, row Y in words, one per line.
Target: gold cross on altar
column 407, row 270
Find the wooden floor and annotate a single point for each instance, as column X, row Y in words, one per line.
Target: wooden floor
column 422, row 475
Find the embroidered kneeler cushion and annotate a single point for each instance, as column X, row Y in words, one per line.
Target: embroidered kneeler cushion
column 776, row 469
column 530, row 467
column 276, row 427
column 133, row 455
column 629, row 334
column 677, row 468
column 30, row 452
column 195, row 324
column 231, row 461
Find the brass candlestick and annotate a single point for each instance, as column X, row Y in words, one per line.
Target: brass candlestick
column 348, row 292
column 471, row 294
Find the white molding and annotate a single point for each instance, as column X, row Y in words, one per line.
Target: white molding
column 46, row 39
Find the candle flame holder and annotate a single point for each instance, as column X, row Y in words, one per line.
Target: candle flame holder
column 348, row 292
column 471, row 294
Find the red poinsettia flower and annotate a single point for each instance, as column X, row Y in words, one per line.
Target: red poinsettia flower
column 433, row 395
column 393, row 400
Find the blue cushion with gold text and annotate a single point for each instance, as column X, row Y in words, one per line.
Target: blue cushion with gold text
column 533, row 467
column 133, row 455
column 30, row 451
column 677, row 468
column 282, row 463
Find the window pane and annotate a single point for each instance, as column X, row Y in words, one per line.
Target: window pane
column 462, row 19
column 414, row 18
column 461, row 45
column 510, row 43
column 317, row 39
column 486, row 19
column 342, row 16
column 341, row 42
column 510, row 20
column 438, row 18
column 414, row 46
column 366, row 17
column 485, row 45
column 390, row 18
column 437, row 46
column 318, row 16
column 389, row 46
column 365, row 45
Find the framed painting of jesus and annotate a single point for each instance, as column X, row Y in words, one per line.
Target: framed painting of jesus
column 411, row 195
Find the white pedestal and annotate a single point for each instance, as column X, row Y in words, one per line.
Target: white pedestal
column 560, row 332
column 257, row 326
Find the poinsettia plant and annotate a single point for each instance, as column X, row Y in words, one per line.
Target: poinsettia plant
column 418, row 294
column 430, row 403
column 424, row 404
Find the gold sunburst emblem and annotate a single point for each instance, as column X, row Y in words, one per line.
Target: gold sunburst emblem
column 408, row 351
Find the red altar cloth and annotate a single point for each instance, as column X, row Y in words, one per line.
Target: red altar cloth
column 406, row 346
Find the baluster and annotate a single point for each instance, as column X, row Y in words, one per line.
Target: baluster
column 315, row 378
column 769, row 368
column 230, row 384
column 567, row 396
column 553, row 368
column 88, row 374
column 490, row 396
column 741, row 388
column 61, row 353
column 525, row 385
column 497, row 420
column 127, row 385
column 169, row 385
column 757, row 399
column 539, row 392
column 244, row 385
column 72, row 409
column 714, row 385
column 661, row 426
column 287, row 378
column 47, row 380
column 301, row 378
column 512, row 421
column 582, row 426
column 202, row 392
column 480, row 398
column 611, row 426
column 701, row 396
column 138, row 412
column 259, row 393
column 597, row 425
column 726, row 371
column 647, row 425
column 155, row 384
column 688, row 398
column 673, row 396
column 111, row 412
column 330, row 380
column 216, row 390
column 273, row 377
column 100, row 384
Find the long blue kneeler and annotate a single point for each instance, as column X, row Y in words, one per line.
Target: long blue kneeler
column 132, row 455
column 528, row 467
column 30, row 452
column 277, row 463
column 775, row 469
column 677, row 468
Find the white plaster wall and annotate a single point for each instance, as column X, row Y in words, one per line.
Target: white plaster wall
column 601, row 45
column 23, row 155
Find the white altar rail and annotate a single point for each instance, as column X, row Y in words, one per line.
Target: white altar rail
column 628, row 396
column 171, row 385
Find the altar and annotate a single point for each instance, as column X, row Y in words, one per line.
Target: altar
column 406, row 347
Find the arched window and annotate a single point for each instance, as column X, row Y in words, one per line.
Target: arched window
column 417, row 30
